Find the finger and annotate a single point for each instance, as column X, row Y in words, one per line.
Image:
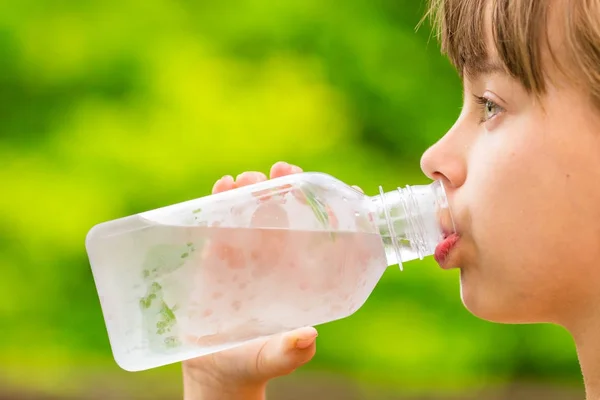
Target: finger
column 358, row 188
column 249, row 178
column 282, row 168
column 282, row 354
column 223, row 184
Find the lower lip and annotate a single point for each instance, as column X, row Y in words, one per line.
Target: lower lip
column 444, row 248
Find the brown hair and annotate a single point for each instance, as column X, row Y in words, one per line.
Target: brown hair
column 520, row 30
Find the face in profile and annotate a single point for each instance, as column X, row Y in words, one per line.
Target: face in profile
column 521, row 167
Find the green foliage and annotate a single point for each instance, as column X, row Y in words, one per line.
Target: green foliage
column 111, row 108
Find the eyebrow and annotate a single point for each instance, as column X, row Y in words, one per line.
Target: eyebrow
column 485, row 67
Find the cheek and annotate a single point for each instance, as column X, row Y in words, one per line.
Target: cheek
column 533, row 214
column 512, row 217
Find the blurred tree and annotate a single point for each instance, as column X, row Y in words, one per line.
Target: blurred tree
column 110, row 108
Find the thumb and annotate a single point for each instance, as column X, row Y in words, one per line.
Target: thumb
column 282, row 354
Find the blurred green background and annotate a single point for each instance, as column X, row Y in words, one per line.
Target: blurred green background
column 109, row 108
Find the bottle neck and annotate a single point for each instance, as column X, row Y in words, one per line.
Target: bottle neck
column 410, row 221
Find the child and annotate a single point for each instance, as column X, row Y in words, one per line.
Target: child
column 521, row 166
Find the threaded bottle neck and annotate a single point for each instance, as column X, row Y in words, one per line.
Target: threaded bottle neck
column 410, row 219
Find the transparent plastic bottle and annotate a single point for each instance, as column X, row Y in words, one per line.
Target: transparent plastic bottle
column 209, row 274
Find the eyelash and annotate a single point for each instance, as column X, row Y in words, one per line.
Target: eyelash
column 484, row 102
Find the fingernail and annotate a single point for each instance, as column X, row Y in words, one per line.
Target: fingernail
column 305, row 342
column 296, row 169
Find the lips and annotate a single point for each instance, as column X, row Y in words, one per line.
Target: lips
column 450, row 236
column 444, row 248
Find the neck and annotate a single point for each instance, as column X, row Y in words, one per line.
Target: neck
column 587, row 341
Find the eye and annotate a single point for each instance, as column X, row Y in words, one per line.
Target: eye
column 489, row 109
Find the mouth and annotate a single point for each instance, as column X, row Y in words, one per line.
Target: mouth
column 444, row 249
column 450, row 236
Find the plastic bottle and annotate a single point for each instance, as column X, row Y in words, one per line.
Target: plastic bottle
column 209, row 274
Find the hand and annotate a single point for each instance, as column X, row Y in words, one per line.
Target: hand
column 244, row 371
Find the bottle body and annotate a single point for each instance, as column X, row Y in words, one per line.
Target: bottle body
column 209, row 274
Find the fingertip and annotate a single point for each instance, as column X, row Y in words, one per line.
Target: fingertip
column 302, row 344
column 287, row 352
column 223, row 184
column 301, row 338
column 296, row 169
column 249, row 178
column 310, row 330
column 280, row 168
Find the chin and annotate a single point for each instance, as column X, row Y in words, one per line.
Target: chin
column 488, row 303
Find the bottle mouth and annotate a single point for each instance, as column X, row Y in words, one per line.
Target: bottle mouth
column 418, row 219
column 433, row 221
column 446, row 220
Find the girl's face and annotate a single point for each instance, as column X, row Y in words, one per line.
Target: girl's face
column 523, row 179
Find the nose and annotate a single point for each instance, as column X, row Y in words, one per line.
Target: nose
column 446, row 160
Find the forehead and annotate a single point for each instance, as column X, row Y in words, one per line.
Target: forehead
column 509, row 36
column 483, row 58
